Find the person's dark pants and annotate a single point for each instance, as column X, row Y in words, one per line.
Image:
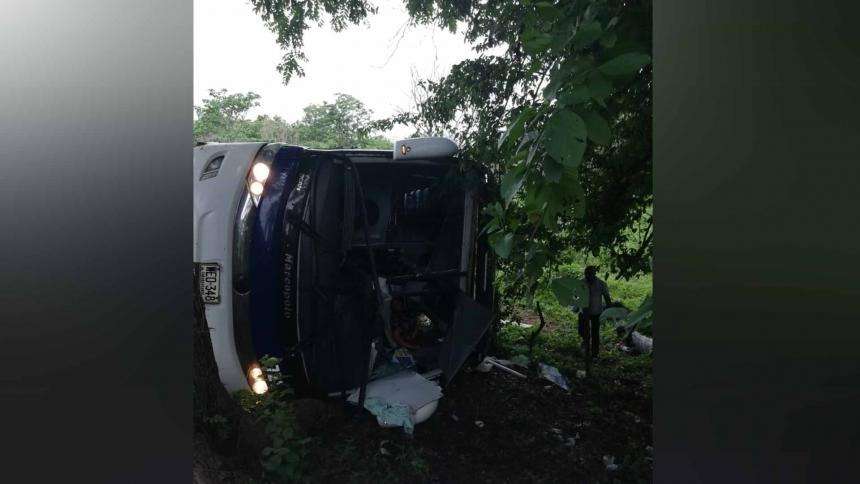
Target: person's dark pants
column 592, row 324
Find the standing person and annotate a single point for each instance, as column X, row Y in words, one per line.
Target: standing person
column 590, row 316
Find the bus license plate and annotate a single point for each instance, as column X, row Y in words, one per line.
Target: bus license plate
column 210, row 283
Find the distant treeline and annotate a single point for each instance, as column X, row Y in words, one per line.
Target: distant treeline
column 345, row 123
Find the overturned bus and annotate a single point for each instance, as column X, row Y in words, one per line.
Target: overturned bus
column 342, row 263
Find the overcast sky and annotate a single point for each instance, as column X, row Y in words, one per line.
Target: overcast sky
column 233, row 50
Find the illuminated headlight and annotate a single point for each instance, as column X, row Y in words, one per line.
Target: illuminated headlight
column 257, row 176
column 260, row 172
column 260, row 387
column 258, row 383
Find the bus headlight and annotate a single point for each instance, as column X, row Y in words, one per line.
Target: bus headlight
column 260, row 172
column 260, row 387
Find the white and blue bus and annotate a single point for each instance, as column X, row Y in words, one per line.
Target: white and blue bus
column 335, row 260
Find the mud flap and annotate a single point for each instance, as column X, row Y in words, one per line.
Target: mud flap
column 469, row 323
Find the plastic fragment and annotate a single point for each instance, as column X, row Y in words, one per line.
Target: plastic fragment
column 609, row 462
column 552, row 374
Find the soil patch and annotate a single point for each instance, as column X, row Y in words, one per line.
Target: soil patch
column 495, row 427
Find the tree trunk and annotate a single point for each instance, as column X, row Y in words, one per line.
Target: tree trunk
column 228, row 427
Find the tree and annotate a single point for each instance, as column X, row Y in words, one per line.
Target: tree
column 346, row 123
column 222, row 117
column 274, row 128
column 573, row 88
column 289, row 20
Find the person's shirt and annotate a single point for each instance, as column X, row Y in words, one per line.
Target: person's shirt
column 597, row 291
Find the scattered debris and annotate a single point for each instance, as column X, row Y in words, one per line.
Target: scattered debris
column 403, row 358
column 518, row 416
column 633, row 416
column 432, row 374
column 396, row 399
column 641, row 343
column 391, row 414
column 382, row 449
column 609, row 462
column 489, row 362
column 484, row 366
column 520, row 360
column 508, row 322
column 552, row 374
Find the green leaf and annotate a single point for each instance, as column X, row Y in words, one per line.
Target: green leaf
column 533, row 150
column 598, row 86
column 535, row 41
column 512, row 181
column 586, row 34
column 575, row 96
column 570, row 291
column 598, row 128
column 579, row 204
column 615, row 315
column 535, row 263
column 502, row 243
column 642, row 316
column 608, row 40
column 556, row 78
column 573, row 192
column 552, row 170
column 535, row 199
column 565, row 135
column 492, row 226
column 625, row 64
column 554, row 203
column 547, row 11
column 515, row 130
column 494, row 210
column 527, row 138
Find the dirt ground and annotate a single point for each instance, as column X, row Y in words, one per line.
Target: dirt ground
column 495, row 427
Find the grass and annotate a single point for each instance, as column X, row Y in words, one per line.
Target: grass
column 630, row 293
column 559, row 343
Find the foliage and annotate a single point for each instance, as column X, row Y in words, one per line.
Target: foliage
column 642, row 319
column 560, row 344
column 289, row 20
column 218, row 425
column 282, row 460
column 222, row 116
column 570, row 291
column 630, row 293
column 573, row 87
column 346, row 123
